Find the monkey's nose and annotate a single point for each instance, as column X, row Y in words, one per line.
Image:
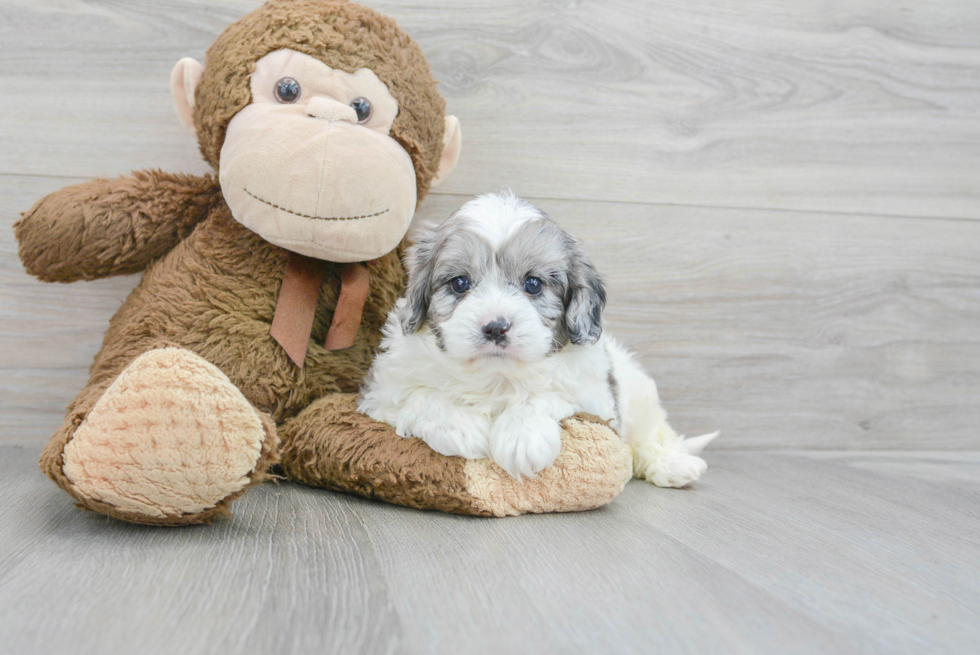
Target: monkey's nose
column 496, row 330
column 330, row 110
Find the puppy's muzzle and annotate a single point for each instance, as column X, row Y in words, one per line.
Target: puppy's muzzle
column 496, row 331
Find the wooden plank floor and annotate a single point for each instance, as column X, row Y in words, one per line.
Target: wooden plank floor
column 784, row 199
column 774, row 552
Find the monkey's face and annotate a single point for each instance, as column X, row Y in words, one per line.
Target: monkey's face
column 298, row 109
column 309, row 165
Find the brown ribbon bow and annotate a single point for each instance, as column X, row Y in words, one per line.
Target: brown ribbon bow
column 292, row 323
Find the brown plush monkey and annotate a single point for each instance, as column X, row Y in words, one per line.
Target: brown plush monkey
column 242, row 347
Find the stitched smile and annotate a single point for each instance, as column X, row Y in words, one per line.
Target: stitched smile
column 319, row 218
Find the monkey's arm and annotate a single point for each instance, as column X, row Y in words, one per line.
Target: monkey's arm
column 111, row 227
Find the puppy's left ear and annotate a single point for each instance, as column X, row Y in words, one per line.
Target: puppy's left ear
column 412, row 312
column 585, row 299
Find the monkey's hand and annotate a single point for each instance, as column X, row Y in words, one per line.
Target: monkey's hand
column 111, row 227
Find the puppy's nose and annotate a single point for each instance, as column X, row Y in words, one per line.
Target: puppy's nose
column 496, row 330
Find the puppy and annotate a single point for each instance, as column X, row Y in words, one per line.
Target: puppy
column 499, row 338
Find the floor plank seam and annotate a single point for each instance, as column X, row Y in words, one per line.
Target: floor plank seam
column 647, row 203
column 825, row 212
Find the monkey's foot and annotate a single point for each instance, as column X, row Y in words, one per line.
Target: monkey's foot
column 592, row 468
column 172, row 441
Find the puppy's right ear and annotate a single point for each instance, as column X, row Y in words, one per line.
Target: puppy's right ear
column 412, row 313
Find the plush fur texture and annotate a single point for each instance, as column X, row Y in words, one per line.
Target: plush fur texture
column 500, row 338
column 307, row 175
column 319, row 450
column 342, row 35
column 591, row 469
column 214, row 294
column 112, row 227
column 170, row 436
column 209, row 291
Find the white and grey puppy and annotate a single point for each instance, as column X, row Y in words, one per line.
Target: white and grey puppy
column 499, row 337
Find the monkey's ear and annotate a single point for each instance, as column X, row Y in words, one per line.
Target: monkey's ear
column 452, row 141
column 183, row 81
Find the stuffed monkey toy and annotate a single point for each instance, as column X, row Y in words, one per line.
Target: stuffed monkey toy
column 238, row 356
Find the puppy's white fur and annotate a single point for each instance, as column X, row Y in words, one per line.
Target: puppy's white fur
column 439, row 378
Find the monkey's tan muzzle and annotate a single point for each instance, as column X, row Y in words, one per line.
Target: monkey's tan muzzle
column 327, row 189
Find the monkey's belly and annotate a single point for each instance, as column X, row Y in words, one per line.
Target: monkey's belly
column 224, row 314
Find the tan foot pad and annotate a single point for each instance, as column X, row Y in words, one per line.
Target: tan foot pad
column 592, row 468
column 171, row 436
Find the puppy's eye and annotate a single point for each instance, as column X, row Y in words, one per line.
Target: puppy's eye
column 460, row 284
column 532, row 286
column 362, row 107
column 287, row 90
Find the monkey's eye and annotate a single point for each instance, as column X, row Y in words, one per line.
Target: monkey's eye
column 532, row 286
column 287, row 90
column 361, row 106
column 460, row 284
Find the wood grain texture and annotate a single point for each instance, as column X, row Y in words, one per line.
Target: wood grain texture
column 740, row 172
column 783, row 330
column 772, row 552
column 862, row 106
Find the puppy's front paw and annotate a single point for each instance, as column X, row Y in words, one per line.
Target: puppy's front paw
column 455, row 434
column 675, row 469
column 524, row 443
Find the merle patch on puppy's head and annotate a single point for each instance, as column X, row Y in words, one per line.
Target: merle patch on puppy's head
column 500, row 279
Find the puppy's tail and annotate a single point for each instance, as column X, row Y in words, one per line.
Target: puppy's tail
column 694, row 445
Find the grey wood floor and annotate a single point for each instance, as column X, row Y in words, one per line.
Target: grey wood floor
column 785, row 198
column 774, row 552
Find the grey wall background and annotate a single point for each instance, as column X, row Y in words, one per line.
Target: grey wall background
column 784, row 195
